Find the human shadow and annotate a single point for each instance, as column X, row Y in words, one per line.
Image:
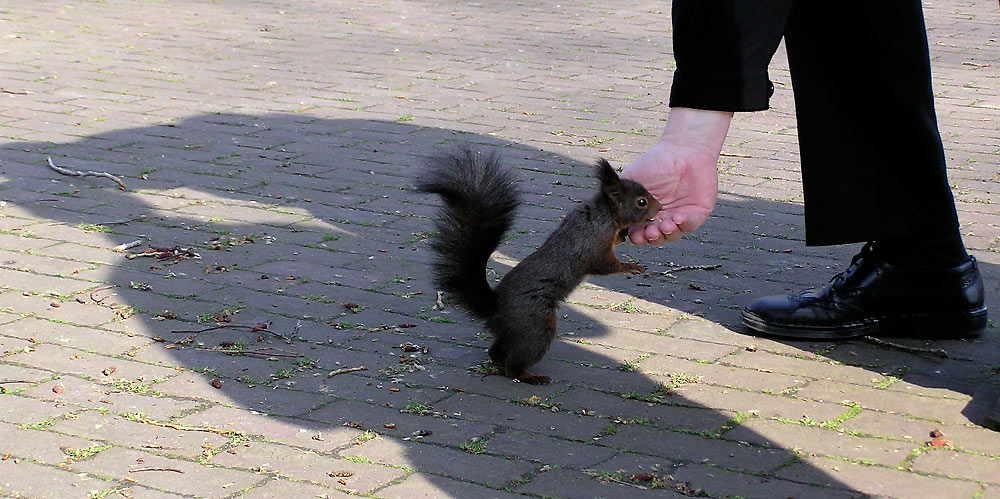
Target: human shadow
column 312, row 263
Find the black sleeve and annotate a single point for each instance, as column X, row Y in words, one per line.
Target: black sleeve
column 722, row 49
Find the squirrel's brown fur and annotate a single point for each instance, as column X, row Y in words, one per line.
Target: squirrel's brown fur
column 480, row 198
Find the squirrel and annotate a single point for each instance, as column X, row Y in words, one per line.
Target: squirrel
column 480, row 199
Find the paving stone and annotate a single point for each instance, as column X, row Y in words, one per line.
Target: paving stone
column 427, row 485
column 22, row 410
column 20, row 478
column 946, row 410
column 10, row 345
column 571, row 483
column 233, row 392
column 293, row 463
column 282, row 489
column 874, row 480
column 903, row 428
column 480, row 468
column 203, row 481
column 444, row 427
column 959, row 464
column 547, row 450
column 775, row 434
column 700, row 395
column 727, row 483
column 287, row 431
column 494, row 411
column 23, row 375
column 84, row 393
column 121, row 431
column 791, row 365
column 681, row 446
column 41, row 306
column 89, row 365
column 661, row 415
column 41, row 446
column 84, row 338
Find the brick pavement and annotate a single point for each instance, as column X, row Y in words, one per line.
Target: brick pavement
column 278, row 141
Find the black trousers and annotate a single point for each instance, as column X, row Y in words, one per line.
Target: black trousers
column 873, row 165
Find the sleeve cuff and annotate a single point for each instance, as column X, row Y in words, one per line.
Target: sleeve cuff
column 718, row 91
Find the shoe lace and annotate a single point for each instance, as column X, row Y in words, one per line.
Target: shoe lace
column 856, row 262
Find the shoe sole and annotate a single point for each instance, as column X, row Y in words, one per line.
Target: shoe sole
column 951, row 326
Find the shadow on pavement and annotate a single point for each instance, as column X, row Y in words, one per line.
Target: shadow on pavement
column 312, row 228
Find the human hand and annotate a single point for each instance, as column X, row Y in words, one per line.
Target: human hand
column 680, row 172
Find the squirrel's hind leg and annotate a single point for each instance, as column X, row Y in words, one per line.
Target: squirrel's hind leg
column 529, row 348
column 498, row 353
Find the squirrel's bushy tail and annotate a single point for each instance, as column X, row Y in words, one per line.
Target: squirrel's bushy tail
column 480, row 197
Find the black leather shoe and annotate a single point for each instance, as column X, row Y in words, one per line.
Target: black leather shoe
column 874, row 297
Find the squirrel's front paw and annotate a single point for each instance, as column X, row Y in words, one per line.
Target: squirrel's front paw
column 632, row 268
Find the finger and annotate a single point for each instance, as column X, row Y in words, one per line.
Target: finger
column 636, row 234
column 667, row 227
column 653, row 232
column 685, row 223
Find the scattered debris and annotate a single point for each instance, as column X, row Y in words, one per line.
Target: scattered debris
column 751, row 348
column 176, row 253
column 341, row 474
column 216, row 384
column 78, row 173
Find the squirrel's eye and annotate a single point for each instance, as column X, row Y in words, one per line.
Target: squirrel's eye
column 641, row 202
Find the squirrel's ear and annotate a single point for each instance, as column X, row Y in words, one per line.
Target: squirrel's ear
column 610, row 182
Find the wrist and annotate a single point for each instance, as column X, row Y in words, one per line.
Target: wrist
column 699, row 129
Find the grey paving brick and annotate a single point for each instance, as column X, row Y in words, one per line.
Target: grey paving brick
column 480, row 468
column 821, row 441
column 40, row 446
column 873, row 480
column 199, row 480
column 22, row 410
column 92, row 366
column 427, row 485
column 571, row 483
column 336, row 473
column 946, row 410
column 959, row 464
column 84, row 393
column 281, row 430
column 84, row 338
column 280, row 489
column 22, row 478
column 681, row 446
column 125, row 432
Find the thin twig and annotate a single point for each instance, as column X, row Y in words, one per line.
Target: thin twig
column 262, row 327
column 121, row 248
column 346, row 370
column 14, row 92
column 100, row 289
column 263, row 352
column 181, row 427
column 137, row 470
column 4, row 381
column 939, row 352
column 682, row 268
column 78, row 173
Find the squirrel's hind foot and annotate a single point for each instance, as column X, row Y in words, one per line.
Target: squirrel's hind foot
column 532, row 379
